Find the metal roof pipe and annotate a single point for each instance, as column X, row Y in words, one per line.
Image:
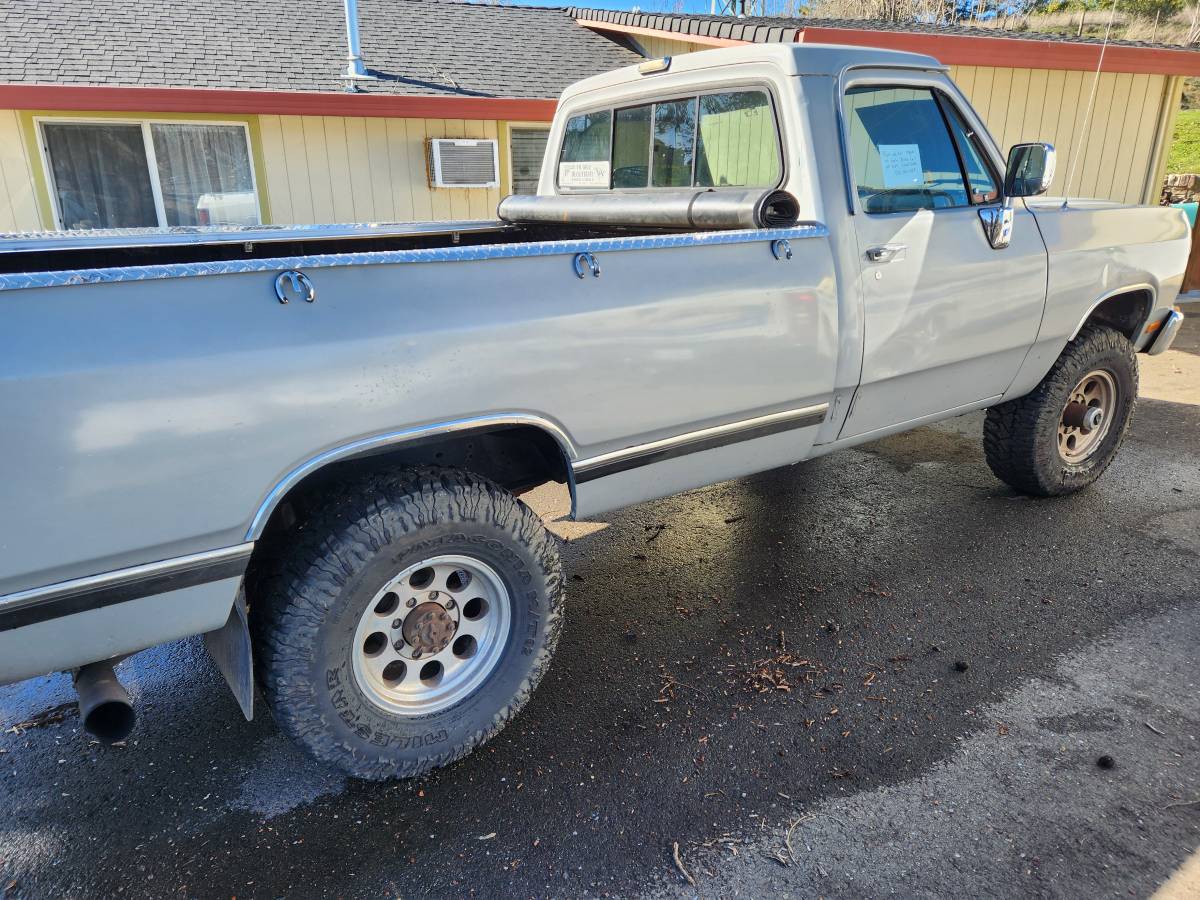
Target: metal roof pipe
column 355, row 67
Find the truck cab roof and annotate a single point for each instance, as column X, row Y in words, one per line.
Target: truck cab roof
column 791, row 59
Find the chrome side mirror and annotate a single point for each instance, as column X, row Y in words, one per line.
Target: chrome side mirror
column 1030, row 170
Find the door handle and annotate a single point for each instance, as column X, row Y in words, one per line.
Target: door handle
column 886, row 252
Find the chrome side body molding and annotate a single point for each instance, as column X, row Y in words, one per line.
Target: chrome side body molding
column 97, row 591
column 393, row 438
column 697, row 441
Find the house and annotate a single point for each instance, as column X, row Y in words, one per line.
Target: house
column 184, row 112
column 214, row 111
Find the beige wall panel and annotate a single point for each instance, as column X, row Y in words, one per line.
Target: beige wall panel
column 1117, row 134
column 380, row 169
column 1020, row 112
column 358, row 160
column 997, row 117
column 1141, row 186
column 418, row 170
column 345, row 208
column 398, row 150
column 1090, row 173
column 18, row 203
column 327, row 169
column 1112, row 152
column 1052, row 106
column 295, row 159
column 656, row 46
column 1034, row 112
column 319, row 181
column 275, row 179
column 964, row 77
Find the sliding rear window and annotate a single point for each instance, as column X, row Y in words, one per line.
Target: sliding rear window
column 728, row 139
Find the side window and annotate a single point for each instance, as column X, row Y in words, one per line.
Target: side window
column 631, row 148
column 737, row 145
column 713, row 140
column 902, row 155
column 979, row 175
column 674, row 143
column 585, row 151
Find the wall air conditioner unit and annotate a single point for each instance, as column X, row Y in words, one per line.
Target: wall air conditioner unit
column 459, row 163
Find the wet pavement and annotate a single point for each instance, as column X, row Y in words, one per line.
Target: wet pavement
column 880, row 673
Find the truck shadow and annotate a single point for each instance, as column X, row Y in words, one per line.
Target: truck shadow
column 731, row 655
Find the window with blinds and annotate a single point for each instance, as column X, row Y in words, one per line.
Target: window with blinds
column 526, row 147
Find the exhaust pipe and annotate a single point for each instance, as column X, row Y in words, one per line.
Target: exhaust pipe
column 104, row 706
column 703, row 209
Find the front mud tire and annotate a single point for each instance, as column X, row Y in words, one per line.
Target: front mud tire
column 1021, row 438
column 308, row 610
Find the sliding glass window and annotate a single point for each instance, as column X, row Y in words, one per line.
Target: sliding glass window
column 147, row 174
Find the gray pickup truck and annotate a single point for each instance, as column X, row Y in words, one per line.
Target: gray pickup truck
column 307, row 443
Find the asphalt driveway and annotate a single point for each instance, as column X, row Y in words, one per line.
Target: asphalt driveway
column 879, row 674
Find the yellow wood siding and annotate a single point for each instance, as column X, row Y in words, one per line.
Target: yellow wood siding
column 334, row 169
column 656, row 46
column 1115, row 153
column 18, row 196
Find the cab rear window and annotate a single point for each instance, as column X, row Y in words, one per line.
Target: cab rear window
column 727, row 139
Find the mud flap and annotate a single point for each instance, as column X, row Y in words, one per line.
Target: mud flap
column 229, row 647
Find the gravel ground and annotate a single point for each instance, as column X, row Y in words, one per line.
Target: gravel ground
column 885, row 653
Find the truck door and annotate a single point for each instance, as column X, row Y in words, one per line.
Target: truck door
column 948, row 319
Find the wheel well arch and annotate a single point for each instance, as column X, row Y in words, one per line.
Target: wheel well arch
column 1125, row 309
column 517, row 452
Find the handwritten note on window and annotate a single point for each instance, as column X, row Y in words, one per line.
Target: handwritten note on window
column 901, row 165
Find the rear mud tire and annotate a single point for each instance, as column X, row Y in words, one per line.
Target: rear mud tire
column 307, row 609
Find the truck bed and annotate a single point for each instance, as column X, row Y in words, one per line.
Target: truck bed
column 58, row 251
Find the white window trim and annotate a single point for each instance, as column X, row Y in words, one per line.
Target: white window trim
column 151, row 158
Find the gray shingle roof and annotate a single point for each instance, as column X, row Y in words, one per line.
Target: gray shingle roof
column 763, row 30
column 429, row 47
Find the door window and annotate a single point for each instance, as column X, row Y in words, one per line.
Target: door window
column 902, row 154
column 983, row 184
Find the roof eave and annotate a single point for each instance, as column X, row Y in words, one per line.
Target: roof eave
column 295, row 103
column 951, row 49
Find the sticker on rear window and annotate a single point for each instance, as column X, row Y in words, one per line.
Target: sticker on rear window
column 591, row 174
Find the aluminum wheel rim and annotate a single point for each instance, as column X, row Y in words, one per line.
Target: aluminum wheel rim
column 1087, row 416
column 432, row 635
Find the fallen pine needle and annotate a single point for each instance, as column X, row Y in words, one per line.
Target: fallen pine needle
column 1155, row 730
column 1182, row 803
column 787, row 838
column 679, row 864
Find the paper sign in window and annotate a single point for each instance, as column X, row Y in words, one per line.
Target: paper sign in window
column 589, row 174
column 901, row 165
